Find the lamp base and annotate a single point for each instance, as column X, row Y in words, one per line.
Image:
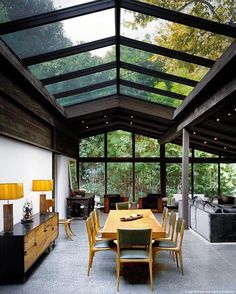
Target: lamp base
column 43, row 204
column 8, row 218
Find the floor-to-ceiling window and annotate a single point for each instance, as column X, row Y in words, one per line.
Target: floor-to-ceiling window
column 130, row 164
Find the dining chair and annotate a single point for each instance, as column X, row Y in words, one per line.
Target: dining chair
column 164, row 217
column 96, row 232
column 122, row 205
column 99, row 227
column 171, row 227
column 95, row 245
column 134, row 245
column 174, row 246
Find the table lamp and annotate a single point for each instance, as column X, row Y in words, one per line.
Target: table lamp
column 42, row 185
column 10, row 191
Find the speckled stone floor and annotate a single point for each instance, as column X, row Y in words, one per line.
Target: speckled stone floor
column 208, row 269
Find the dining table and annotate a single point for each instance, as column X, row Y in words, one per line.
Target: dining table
column 132, row 219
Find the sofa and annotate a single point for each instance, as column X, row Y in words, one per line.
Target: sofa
column 151, row 201
column 214, row 222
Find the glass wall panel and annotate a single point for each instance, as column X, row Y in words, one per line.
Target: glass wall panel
column 92, row 146
column 161, row 63
column 173, row 150
column 172, row 35
column 146, row 147
column 17, row 9
column 144, row 95
column 199, row 153
column 119, row 144
column 87, row 96
column 119, row 178
column 228, row 179
column 92, row 177
column 222, row 11
column 154, row 82
column 147, row 178
column 84, row 81
column 173, row 179
column 206, row 179
column 72, row 63
column 60, row 35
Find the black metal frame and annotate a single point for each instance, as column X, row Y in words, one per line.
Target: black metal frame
column 118, row 41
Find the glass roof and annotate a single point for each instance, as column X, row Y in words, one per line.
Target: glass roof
column 83, row 81
column 88, row 96
column 17, row 9
column 74, row 62
column 154, row 82
column 161, row 63
column 63, row 34
column 150, row 72
column 222, row 11
column 172, row 35
column 148, row 96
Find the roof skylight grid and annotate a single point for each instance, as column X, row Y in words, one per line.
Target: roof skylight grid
column 153, row 50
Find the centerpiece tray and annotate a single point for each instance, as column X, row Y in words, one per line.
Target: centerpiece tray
column 131, row 217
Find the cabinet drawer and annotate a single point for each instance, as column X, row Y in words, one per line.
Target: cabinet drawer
column 29, row 240
column 30, row 256
column 40, row 234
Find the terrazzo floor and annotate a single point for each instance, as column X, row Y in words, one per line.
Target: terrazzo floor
column 209, row 268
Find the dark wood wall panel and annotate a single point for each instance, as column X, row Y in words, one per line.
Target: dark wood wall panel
column 25, row 116
column 20, row 124
column 64, row 143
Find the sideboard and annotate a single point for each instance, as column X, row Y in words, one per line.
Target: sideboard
column 20, row 249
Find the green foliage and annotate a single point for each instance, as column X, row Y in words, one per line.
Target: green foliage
column 119, row 144
column 187, row 39
column 92, row 146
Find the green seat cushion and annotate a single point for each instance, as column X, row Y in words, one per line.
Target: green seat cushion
column 133, row 254
column 104, row 244
column 164, row 244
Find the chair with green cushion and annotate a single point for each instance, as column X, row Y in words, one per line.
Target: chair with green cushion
column 174, row 246
column 122, row 205
column 95, row 245
column 134, row 245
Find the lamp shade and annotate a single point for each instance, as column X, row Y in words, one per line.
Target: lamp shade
column 42, row 185
column 11, row 191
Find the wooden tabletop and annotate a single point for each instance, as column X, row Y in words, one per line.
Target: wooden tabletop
column 148, row 220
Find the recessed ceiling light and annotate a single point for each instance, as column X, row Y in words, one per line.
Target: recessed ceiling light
column 131, row 116
column 107, row 122
column 131, row 123
column 234, row 109
column 225, row 148
column 194, row 133
column 205, row 142
column 105, row 115
column 82, row 121
column 215, row 138
column 217, row 119
column 87, row 127
column 229, row 114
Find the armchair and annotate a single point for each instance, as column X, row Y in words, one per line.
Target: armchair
column 151, row 201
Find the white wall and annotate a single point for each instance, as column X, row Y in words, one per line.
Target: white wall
column 21, row 162
column 62, row 186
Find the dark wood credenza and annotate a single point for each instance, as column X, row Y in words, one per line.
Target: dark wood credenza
column 80, row 206
column 20, row 249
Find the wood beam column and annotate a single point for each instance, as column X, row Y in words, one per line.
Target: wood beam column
column 163, row 170
column 185, row 176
